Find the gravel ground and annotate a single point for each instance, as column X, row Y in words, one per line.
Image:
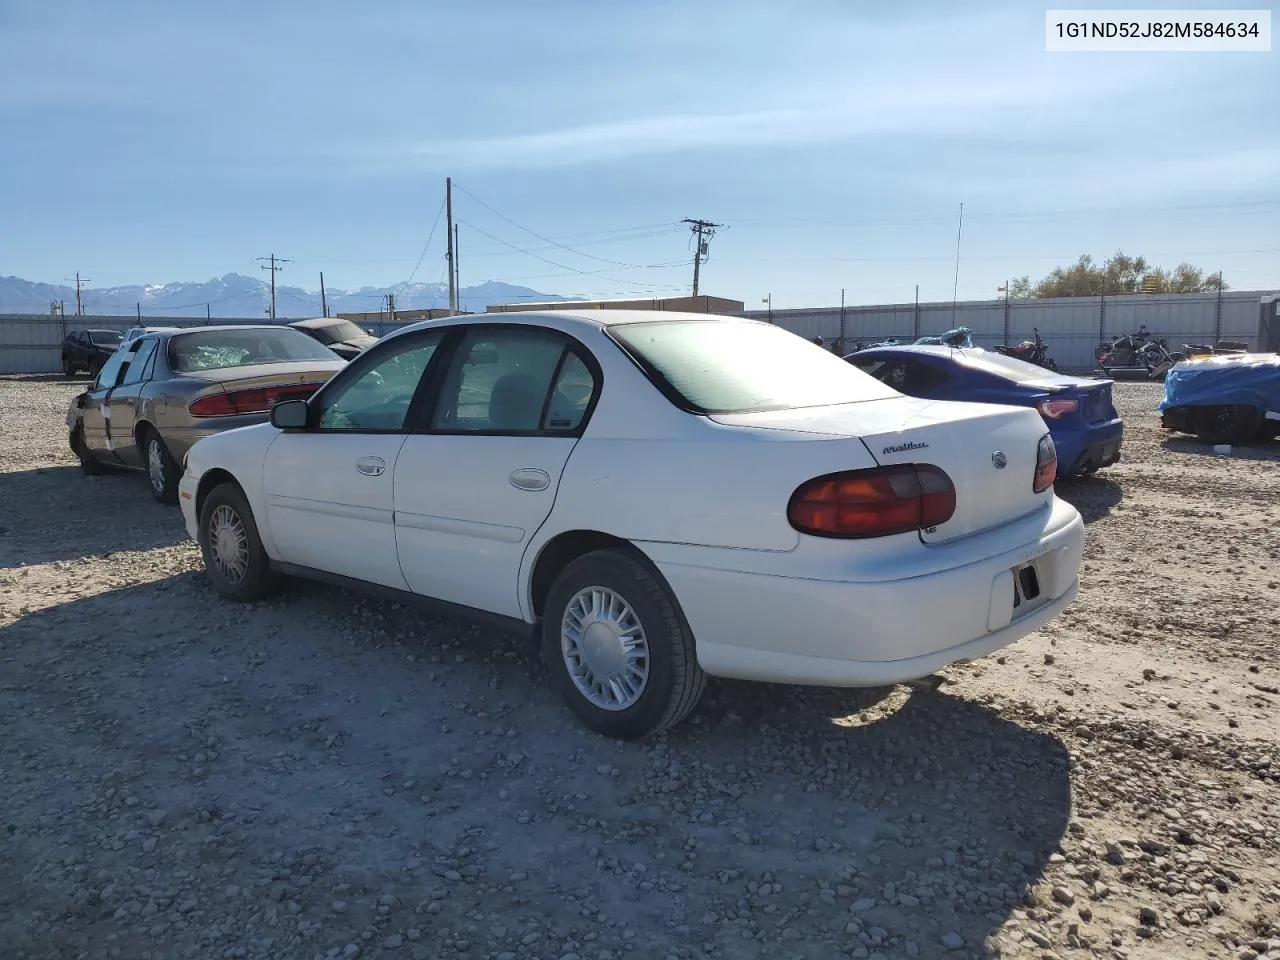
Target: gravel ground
column 324, row 775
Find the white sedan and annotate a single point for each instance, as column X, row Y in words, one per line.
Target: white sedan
column 661, row 496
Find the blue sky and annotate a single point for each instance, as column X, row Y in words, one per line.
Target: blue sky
column 150, row 142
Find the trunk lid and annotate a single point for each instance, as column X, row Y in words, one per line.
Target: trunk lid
column 269, row 374
column 988, row 450
column 284, row 381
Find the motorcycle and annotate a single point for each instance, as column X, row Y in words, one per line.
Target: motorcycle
column 1137, row 351
column 958, row 338
column 1031, row 351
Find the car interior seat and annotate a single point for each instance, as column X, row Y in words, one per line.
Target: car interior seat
column 515, row 403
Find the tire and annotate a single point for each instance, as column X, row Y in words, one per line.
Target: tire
column 673, row 681
column 68, row 368
column 163, row 472
column 253, row 579
column 1050, row 364
column 91, row 466
column 95, row 367
column 1227, row 424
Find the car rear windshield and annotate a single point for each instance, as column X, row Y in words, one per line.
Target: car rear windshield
column 105, row 338
column 1010, row 368
column 743, row 366
column 219, row 349
column 337, row 331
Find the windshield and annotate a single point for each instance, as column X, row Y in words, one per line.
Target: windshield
column 105, row 338
column 336, row 331
column 1010, row 368
column 219, row 349
column 744, row 366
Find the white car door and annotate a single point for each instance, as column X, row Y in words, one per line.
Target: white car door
column 476, row 484
column 329, row 487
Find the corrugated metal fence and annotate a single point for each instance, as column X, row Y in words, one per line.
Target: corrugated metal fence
column 30, row 343
column 1072, row 326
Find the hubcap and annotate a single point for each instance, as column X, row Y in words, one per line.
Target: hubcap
column 155, row 463
column 604, row 648
column 229, row 544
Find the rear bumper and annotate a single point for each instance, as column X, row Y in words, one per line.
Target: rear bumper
column 834, row 632
column 1091, row 449
column 182, row 438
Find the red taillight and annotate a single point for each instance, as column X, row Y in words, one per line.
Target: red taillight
column 1056, row 409
column 1046, row 465
column 873, row 503
column 254, row 400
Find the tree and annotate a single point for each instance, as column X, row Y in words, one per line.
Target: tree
column 1119, row 274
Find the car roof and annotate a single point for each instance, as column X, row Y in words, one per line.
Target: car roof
column 585, row 319
column 928, row 349
column 101, row 330
column 317, row 321
column 226, row 326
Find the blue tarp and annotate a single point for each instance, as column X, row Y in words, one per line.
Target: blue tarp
column 1245, row 379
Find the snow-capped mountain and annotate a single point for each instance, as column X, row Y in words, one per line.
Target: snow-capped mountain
column 235, row 295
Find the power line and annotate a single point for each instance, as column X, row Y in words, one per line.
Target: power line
column 1231, row 208
column 562, row 266
column 425, row 247
column 533, row 233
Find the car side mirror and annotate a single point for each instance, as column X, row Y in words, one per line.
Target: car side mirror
column 290, row 415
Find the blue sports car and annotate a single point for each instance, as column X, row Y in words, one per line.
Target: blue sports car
column 1084, row 423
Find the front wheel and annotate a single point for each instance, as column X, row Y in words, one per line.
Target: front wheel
column 620, row 651
column 1227, row 424
column 68, row 368
column 162, row 469
column 234, row 558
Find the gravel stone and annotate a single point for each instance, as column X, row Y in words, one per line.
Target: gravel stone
column 187, row 778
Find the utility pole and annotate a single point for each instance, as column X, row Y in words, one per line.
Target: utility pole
column 324, row 303
column 138, row 304
column 79, row 302
column 703, row 231
column 391, row 306
column 956, row 289
column 274, row 260
column 769, row 300
column 842, row 330
column 208, row 314
column 1217, row 316
column 453, row 277
column 457, row 259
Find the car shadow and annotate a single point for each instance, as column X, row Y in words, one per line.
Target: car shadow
column 1093, row 496
column 829, row 819
column 1264, row 450
column 65, row 515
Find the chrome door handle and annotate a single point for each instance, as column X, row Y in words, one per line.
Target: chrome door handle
column 530, row 478
column 371, row 466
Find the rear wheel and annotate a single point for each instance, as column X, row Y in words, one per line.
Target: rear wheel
column 162, row 469
column 1227, row 424
column 620, row 651
column 95, row 367
column 234, row 558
